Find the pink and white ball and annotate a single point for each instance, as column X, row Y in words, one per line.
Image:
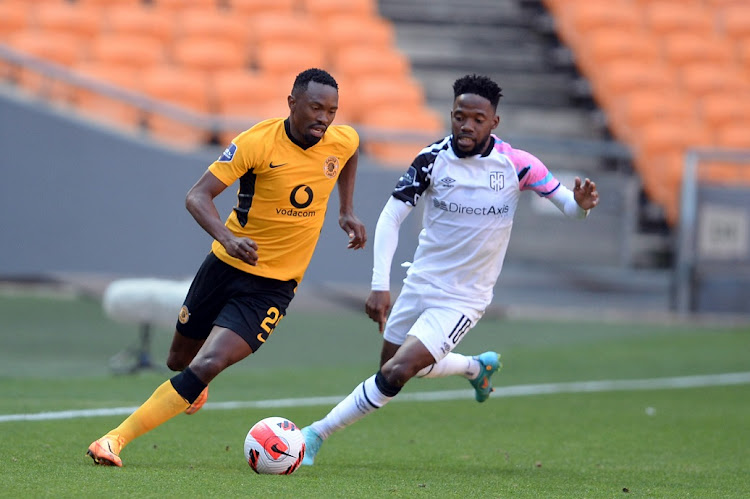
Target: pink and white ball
column 274, row 446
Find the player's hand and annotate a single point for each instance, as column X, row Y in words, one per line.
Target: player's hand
column 585, row 193
column 377, row 306
column 243, row 248
column 354, row 229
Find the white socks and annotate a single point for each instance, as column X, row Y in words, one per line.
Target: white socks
column 367, row 397
column 451, row 365
column 361, row 402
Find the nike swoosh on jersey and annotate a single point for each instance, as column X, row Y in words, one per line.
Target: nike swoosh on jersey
column 271, row 165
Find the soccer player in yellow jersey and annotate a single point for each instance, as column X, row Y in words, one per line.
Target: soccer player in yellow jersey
column 286, row 169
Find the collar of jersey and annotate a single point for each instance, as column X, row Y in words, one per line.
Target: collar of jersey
column 288, row 130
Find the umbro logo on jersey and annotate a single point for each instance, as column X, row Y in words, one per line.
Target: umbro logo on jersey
column 446, row 182
column 271, row 165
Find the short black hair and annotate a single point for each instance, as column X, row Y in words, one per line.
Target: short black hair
column 479, row 85
column 313, row 74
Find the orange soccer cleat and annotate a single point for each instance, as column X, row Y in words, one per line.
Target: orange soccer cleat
column 195, row 406
column 104, row 451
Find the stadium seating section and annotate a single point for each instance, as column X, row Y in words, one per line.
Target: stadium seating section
column 669, row 75
column 233, row 59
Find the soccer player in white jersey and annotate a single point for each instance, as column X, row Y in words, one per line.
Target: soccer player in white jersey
column 470, row 182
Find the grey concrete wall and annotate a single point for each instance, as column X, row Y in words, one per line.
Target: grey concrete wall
column 75, row 198
column 78, row 199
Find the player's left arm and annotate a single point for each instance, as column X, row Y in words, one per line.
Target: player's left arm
column 534, row 175
column 579, row 201
column 348, row 221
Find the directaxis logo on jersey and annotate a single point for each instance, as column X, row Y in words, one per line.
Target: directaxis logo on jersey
column 498, row 211
column 301, row 197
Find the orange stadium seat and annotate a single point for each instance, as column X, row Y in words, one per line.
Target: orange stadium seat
column 214, row 25
column 734, row 20
column 248, row 94
column 386, row 91
column 734, row 135
column 206, row 56
column 411, row 129
column 666, row 136
column 620, row 77
column 719, row 109
column 13, row 18
column 671, row 17
column 246, row 8
column 374, row 94
column 364, row 62
column 110, row 3
column 575, row 19
column 54, row 47
column 631, row 112
column 703, row 78
column 686, row 48
column 604, row 46
column 722, row 4
column 128, row 51
column 284, row 61
column 178, row 5
column 346, row 31
column 74, row 20
column 276, row 27
column 743, row 49
column 105, row 108
column 667, row 73
column 139, row 20
column 325, row 8
column 186, row 91
column 347, row 99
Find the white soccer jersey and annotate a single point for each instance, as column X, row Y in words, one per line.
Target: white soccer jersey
column 468, row 215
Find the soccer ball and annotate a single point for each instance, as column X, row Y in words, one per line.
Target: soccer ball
column 274, row 446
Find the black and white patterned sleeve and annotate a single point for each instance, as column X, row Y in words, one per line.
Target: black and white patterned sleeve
column 418, row 177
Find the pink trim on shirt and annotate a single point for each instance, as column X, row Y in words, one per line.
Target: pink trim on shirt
column 538, row 178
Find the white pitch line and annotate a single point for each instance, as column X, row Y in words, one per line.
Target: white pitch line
column 505, row 391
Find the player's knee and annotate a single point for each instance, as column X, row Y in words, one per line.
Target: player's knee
column 177, row 362
column 208, row 367
column 398, row 373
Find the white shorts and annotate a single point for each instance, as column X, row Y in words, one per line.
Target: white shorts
column 438, row 319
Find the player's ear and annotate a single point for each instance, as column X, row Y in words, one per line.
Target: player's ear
column 495, row 121
column 291, row 102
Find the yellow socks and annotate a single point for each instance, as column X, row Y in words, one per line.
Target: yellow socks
column 164, row 404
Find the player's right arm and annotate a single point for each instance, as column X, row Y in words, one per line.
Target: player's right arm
column 200, row 203
column 384, row 247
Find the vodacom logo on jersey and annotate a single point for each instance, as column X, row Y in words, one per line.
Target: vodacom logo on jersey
column 300, row 198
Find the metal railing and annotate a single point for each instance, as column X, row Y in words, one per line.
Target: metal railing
column 687, row 259
column 217, row 124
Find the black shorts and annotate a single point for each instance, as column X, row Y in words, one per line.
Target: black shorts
column 221, row 295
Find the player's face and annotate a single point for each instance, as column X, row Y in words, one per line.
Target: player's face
column 472, row 120
column 312, row 111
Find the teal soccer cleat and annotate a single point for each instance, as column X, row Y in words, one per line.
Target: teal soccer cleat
column 312, row 445
column 489, row 364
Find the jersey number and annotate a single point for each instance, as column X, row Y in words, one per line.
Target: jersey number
column 269, row 323
column 463, row 325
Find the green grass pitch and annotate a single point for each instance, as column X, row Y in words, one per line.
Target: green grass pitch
column 686, row 442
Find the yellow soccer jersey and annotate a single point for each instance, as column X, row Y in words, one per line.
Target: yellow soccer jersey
column 283, row 194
